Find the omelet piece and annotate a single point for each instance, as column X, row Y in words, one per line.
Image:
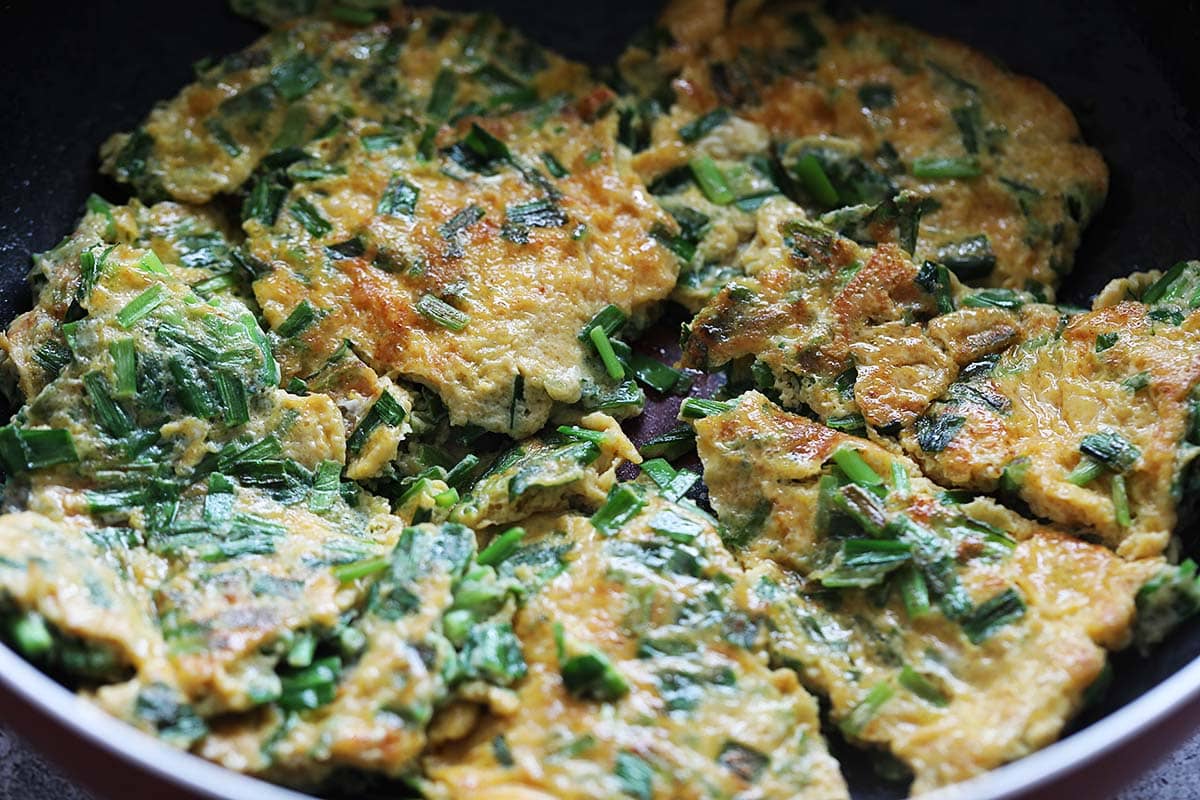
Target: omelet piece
column 198, row 242
column 645, row 675
column 862, row 337
column 959, row 637
column 871, row 121
column 478, row 272
column 1092, row 426
column 435, row 621
column 574, row 468
column 302, row 81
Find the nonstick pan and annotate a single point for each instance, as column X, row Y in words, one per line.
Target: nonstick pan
column 73, row 72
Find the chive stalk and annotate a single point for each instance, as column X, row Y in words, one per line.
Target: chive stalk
column 612, row 365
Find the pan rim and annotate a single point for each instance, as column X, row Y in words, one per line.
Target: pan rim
column 127, row 744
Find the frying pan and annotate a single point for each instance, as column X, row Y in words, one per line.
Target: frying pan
column 73, row 72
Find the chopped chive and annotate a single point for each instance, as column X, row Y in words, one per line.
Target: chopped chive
column 193, row 394
column 673, row 483
column 856, row 469
column 442, row 313
column 1012, row 477
column 623, row 504
column 140, row 306
column 711, row 180
column 612, row 365
column 1135, row 383
column 675, row 526
column 24, row 449
column 850, row 423
column 301, row 318
column 312, row 687
column 934, row 434
column 593, row 676
column 1105, row 341
column 941, row 168
column 867, row 562
column 459, row 475
column 210, row 286
column 447, row 498
column 270, row 367
column 232, row 392
column 744, row 762
column 635, row 777
column 301, row 653
column 264, row 449
column 445, row 85
column 1111, row 449
column 111, row 418
column 310, row 217
column 914, row 591
column 540, row 213
column 553, row 166
column 610, row 319
column 921, row 686
column 1120, row 500
column 360, row 569
column 386, row 411
column 326, row 486
column 935, row 279
column 993, row 298
column 583, row 434
column 670, row 445
column 703, row 125
column 53, row 356
column 991, row 615
column 655, row 374
column 124, row 356
column 501, row 547
column 812, row 175
column 400, row 197
column 700, row 407
column 485, row 145
column 30, row 634
column 98, row 205
column 865, row 711
column 900, row 479
column 150, row 262
column 351, row 15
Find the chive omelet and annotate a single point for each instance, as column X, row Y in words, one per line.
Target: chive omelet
column 323, row 463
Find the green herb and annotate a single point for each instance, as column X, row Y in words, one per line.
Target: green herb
column 938, row 168
column 970, row 259
column 493, row 653
column 438, row 311
column 501, row 547
column 400, row 197
column 711, row 180
column 623, row 504
column 673, row 483
column 856, row 469
column 583, row 434
column 31, row 636
column 141, row 306
column 703, row 125
column 540, row 213
column 386, row 411
column 53, row 356
column 326, row 486
column 232, row 392
column 914, row 591
column 812, row 176
column 934, row 434
column 1111, row 449
column 993, row 614
column 850, row 423
column 1135, row 383
column 672, row 444
column 1105, row 341
column 151, row 263
column 865, row 711
column 866, row 562
column 993, row 298
column 900, row 479
column 311, row 687
column 96, row 204
column 699, row 408
column 553, row 166
column 921, row 686
column 593, row 676
column 745, row 762
column 310, row 217
column 111, row 418
column 1180, row 285
column 610, row 319
column 345, row 573
column 634, row 776
column 935, row 279
column 1012, row 477
column 301, row 318
column 445, row 86
column 296, row 76
column 1086, row 471
column 604, row 348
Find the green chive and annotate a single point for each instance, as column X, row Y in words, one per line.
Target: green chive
column 855, row 467
column 442, row 313
column 360, row 569
column 23, row 449
column 993, row 614
column 865, row 711
column 301, row 653
column 459, row 476
column 210, row 286
column 812, row 175
column 672, row 444
column 150, row 263
column 193, row 394
column 109, row 416
column 326, row 486
column 1111, row 449
column 270, row 367
column 301, row 318
column 623, row 504
column 124, row 356
column 445, row 85
column 700, row 407
column 1012, row 477
column 604, row 348
column 98, row 205
column 400, row 197
column 310, row 217
column 655, row 374
column 1136, row 383
column 583, row 434
column 593, row 676
column 447, row 498
column 914, row 591
column 703, row 125
column 610, row 319
column 232, row 392
column 31, row 635
column 351, row 15
column 501, row 547
column 919, row 685
column 940, row 168
column 1120, row 500
column 140, row 306
column 1105, row 341
column 386, row 411
column 553, row 166
column 711, row 180
column 900, row 479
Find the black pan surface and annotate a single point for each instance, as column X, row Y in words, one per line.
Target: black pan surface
column 73, row 72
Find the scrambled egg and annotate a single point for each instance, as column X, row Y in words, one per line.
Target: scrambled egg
column 957, row 636
column 869, row 120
